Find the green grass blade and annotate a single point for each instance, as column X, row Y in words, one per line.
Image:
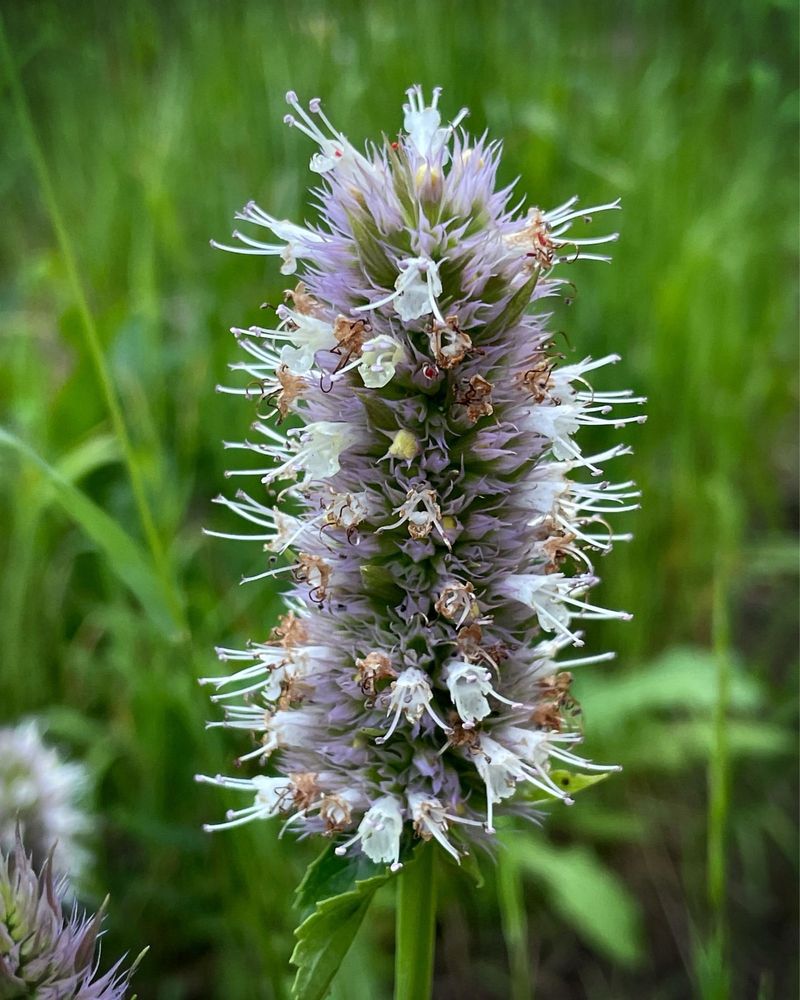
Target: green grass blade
column 125, row 557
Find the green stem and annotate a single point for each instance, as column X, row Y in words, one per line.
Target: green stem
column 91, row 335
column 718, row 984
column 719, row 795
column 514, row 920
column 415, row 941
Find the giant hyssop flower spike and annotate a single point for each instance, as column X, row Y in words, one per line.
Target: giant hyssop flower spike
column 44, row 797
column 442, row 518
column 44, row 951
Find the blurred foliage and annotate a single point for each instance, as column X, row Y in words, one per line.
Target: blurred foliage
column 155, row 123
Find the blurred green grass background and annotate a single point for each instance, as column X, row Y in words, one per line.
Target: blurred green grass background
column 154, row 123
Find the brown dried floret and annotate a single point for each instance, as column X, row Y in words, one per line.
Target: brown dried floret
column 335, row 813
column 350, row 335
column 461, row 737
column 558, row 547
column 371, row 670
column 469, row 645
column 292, row 387
column 537, row 380
column 302, row 301
column 293, row 691
column 304, row 788
column 314, row 571
column 289, row 632
column 535, row 239
column 555, row 700
column 456, row 600
column 448, row 343
column 476, row 395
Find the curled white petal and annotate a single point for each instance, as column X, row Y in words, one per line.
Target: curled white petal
column 380, row 357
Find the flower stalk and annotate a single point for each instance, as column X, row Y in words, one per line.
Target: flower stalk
column 415, row 940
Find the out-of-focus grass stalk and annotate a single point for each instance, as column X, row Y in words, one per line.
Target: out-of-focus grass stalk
column 514, row 919
column 717, row 984
column 89, row 327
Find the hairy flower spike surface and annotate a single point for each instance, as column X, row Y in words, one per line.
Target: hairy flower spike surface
column 443, row 516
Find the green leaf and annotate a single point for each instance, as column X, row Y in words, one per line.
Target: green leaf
column 682, row 678
column 125, row 558
column 324, row 938
column 330, row 875
column 588, row 896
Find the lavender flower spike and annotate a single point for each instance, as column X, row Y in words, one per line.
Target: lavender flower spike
column 43, row 953
column 45, row 797
column 443, row 518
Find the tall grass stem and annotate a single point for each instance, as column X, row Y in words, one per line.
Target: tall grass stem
column 89, row 327
column 719, row 789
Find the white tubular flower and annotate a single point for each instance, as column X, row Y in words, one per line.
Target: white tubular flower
column 430, row 820
column 553, row 597
column 318, row 449
column 416, row 289
column 308, row 334
column 500, row 770
column 469, row 685
column 418, row 286
column 422, row 514
column 422, row 125
column 335, row 152
column 410, row 695
column 297, row 242
column 272, row 796
column 559, row 420
column 286, row 728
column 283, row 530
column 536, row 747
column 347, row 510
column 379, row 833
column 380, row 357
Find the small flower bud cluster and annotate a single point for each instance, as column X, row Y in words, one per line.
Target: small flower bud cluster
column 443, row 518
column 44, row 953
